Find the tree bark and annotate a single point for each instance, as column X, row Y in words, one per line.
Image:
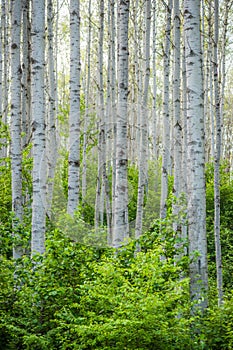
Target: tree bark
column 166, row 115
column 74, row 119
column 121, row 225
column 143, row 148
column 38, row 127
column 195, row 155
column 16, row 151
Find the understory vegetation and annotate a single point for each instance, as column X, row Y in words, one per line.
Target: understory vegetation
column 78, row 296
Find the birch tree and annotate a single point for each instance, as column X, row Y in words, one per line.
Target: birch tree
column 5, row 76
column 26, row 73
column 176, row 100
column 166, row 114
column 195, row 154
column 217, row 157
column 154, row 112
column 121, row 226
column 51, row 140
column 113, row 107
column 143, row 153
column 87, row 95
column 99, row 204
column 38, row 126
column 74, row 118
column 16, row 153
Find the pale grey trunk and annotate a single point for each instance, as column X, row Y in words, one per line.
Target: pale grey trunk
column 5, row 80
column 74, row 119
column 86, row 116
column 51, row 140
column 227, row 7
column 184, row 140
column 177, row 124
column 211, row 97
column 195, row 154
column 113, row 107
column 154, row 111
column 38, row 127
column 99, row 203
column 166, row 115
column 176, row 101
column 143, row 142
column 109, row 129
column 26, row 75
column 217, row 158
column 16, row 152
column 121, row 225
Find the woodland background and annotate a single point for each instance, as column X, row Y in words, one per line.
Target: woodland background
column 116, row 174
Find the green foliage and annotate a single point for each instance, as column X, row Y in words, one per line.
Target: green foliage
column 132, row 191
column 78, row 297
column 226, row 205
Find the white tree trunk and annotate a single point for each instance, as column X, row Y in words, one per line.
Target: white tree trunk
column 184, row 139
column 5, row 81
column 16, row 152
column 26, row 75
column 86, row 116
column 195, row 153
column 166, row 115
column 38, row 127
column 99, row 203
column 113, row 109
column 217, row 159
column 74, row 120
column 154, row 111
column 121, row 225
column 51, row 139
column 143, row 142
column 176, row 101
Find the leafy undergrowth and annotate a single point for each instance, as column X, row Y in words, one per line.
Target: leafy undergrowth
column 79, row 297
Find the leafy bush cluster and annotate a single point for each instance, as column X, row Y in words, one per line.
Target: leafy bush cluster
column 79, row 297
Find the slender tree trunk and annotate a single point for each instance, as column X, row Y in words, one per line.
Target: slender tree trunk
column 74, row 120
column 38, row 127
column 184, row 139
column 166, row 115
column 16, row 152
column 196, row 158
column 113, row 108
column 26, row 75
column 176, row 100
column 121, row 225
column 51, row 145
column 143, row 154
column 177, row 124
column 99, row 204
column 217, row 159
column 86, row 116
column 154, row 111
column 5, row 87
